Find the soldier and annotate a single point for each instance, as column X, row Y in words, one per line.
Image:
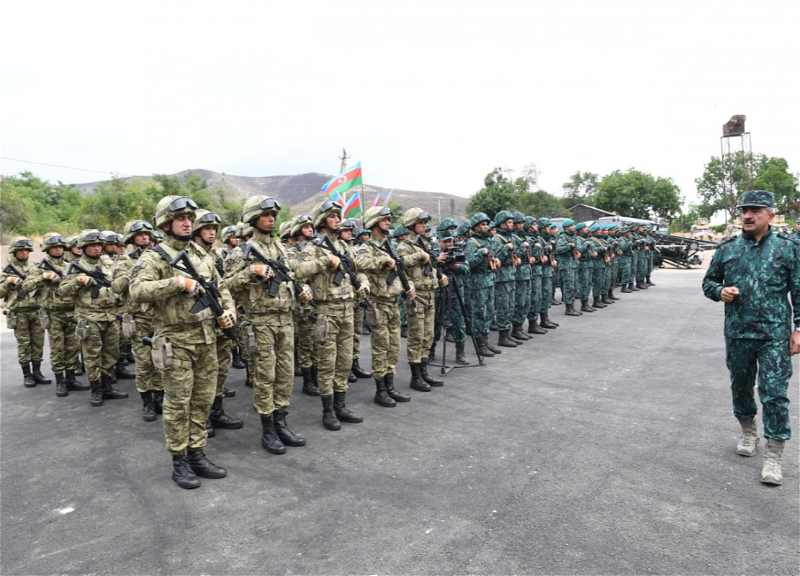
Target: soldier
column 447, row 303
column 184, row 343
column 74, row 253
column 334, row 293
column 522, row 290
column 568, row 257
column 398, row 235
column 110, row 249
column 421, row 272
column 386, row 287
column 752, row 273
column 96, row 309
column 347, row 232
column 463, row 232
column 503, row 250
column 547, row 243
column 228, row 240
column 625, row 245
column 204, row 233
column 270, row 321
column 651, row 252
column 599, row 263
column 537, row 271
column 139, row 319
column 56, row 312
column 585, row 265
column 613, row 265
column 481, row 264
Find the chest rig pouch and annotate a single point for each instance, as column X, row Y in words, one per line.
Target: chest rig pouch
column 161, row 353
column 82, row 329
column 44, row 318
column 247, row 334
column 321, row 328
column 11, row 319
column 128, row 326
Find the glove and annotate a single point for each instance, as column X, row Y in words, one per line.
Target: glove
column 411, row 293
column 363, row 292
column 334, row 260
column 389, row 262
column 262, row 271
column 52, row 276
column 86, row 280
column 443, row 281
column 227, row 319
column 424, row 256
column 306, row 295
column 188, row 285
column 13, row 280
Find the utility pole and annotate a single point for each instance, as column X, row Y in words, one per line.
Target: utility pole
column 344, row 158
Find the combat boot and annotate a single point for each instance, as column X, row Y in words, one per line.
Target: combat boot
column 432, row 352
column 571, row 311
column 129, row 355
column 394, row 393
column 351, row 378
column 72, row 384
column 544, row 321
column 648, row 282
column 382, row 398
column 771, row 472
column 148, row 407
column 120, row 372
column 493, row 326
column 450, row 337
column 61, row 385
column 641, row 285
column 308, row 383
column 605, row 300
column 416, row 380
column 359, row 371
column 269, row 438
column 534, row 328
column 461, row 357
column 504, row 340
column 597, row 304
column 491, row 348
column 158, row 401
column 80, row 369
column 404, row 331
column 611, row 295
column 329, row 420
column 182, row 474
column 342, row 412
column 626, row 289
column 518, row 334
column 747, row 445
column 221, row 420
column 297, row 370
column 97, row 394
column 236, row 359
column 585, row 306
column 109, row 392
column 210, row 432
column 483, row 350
column 632, row 287
column 248, row 379
column 226, row 393
column 423, row 372
column 38, row 377
column 202, row 466
column 288, row 437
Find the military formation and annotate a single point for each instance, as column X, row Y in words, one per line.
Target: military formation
column 295, row 301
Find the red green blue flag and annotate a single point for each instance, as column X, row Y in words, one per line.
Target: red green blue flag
column 344, row 181
column 352, row 207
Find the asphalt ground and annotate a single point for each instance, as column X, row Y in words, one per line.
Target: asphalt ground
column 605, row 447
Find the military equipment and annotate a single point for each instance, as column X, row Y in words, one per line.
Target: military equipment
column 12, row 270
column 171, row 206
column 398, row 272
column 100, row 279
column 345, row 267
column 679, row 252
column 210, row 296
column 432, row 264
column 47, row 265
column 280, row 270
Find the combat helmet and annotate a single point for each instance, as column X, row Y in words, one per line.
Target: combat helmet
column 134, row 227
column 349, row 224
column 478, row 218
column 112, row 237
column 375, row 214
column 463, row 228
column 300, row 222
column 90, row 236
column 502, row 216
column 446, row 224
column 20, row 243
column 171, row 206
column 227, row 233
column 518, row 217
column 285, row 229
column 53, row 240
column 400, row 231
column 203, row 218
column 256, row 206
column 414, row 215
column 323, row 210
column 243, row 229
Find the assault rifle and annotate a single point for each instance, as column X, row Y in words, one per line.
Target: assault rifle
column 211, row 295
column 279, row 268
column 12, row 270
column 345, row 267
column 100, row 279
column 432, row 263
column 398, row 272
column 47, row 265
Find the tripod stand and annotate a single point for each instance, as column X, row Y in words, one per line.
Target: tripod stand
column 445, row 315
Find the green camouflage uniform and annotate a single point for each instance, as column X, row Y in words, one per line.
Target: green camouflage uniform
column 537, row 271
column 585, row 265
column 505, row 279
column 23, row 314
column 567, row 265
column 625, row 245
column 522, row 290
column 481, row 280
column 421, row 323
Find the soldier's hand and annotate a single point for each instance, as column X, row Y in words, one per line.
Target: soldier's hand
column 424, row 256
column 794, row 343
column 442, row 257
column 411, row 293
column 485, row 251
column 363, row 291
column 443, row 281
column 577, row 255
column 227, row 319
column 306, row 295
column 262, row 271
column 188, row 285
column 389, row 262
column 86, row 280
column 497, row 263
column 729, row 293
column 13, row 280
column 510, row 245
column 334, row 260
column 51, row 276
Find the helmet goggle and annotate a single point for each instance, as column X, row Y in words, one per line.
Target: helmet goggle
column 24, row 243
column 423, row 217
column 385, row 211
column 182, row 203
column 140, row 225
column 329, row 205
column 209, row 218
column 304, row 218
column 269, row 204
column 93, row 237
column 55, row 240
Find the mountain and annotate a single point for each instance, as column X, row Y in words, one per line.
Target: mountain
column 301, row 192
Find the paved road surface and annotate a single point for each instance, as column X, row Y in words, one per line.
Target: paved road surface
column 605, row 447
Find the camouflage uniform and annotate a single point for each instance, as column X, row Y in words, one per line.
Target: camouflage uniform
column 585, row 266
column 567, row 266
column 505, row 280
column 447, row 302
column 478, row 252
column 522, row 290
column 304, row 335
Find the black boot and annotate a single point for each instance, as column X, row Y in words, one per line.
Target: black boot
column 38, row 377
column 226, row 393
column 461, row 357
column 417, row 383
column 308, row 383
column 329, row 420
column 80, row 369
column 585, row 306
column 72, row 384
column 432, row 352
column 221, row 420
column 61, row 385
column 351, row 378
column 158, row 401
column 394, row 393
column 404, row 331
column 648, row 282
column 210, row 432
column 343, row 413
column 182, row 474
column 597, row 304
column 518, row 334
column 120, row 372
column 626, row 289
column 202, row 466
column 423, row 372
column 533, row 326
column 449, row 337
column 360, row 372
column 641, row 285
column 129, row 356
column 571, row 311
column 606, row 299
column 148, row 407
column 288, row 437
column 97, row 393
column 483, row 350
column 248, row 379
column 611, row 295
column 544, row 321
column 269, row 438
column 493, row 326
column 382, row 398
column 297, row 370
column 366, row 329
column 109, row 392
column 504, row 340
column 633, row 287
column 236, row 359
column 491, row 348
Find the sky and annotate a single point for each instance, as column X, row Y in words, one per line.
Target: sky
column 428, row 95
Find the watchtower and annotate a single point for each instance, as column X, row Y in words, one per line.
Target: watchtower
column 736, row 153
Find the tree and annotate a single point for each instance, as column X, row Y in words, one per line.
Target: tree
column 541, row 204
column 773, row 174
column 638, row 195
column 581, row 189
column 498, row 193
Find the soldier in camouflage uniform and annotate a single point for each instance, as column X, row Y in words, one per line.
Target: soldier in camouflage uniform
column 524, row 272
column 537, row 252
column 385, row 337
column 568, row 258
column 347, row 232
column 503, row 249
column 398, row 235
column 96, row 309
column 625, row 246
column 585, row 265
column 184, row 344
column 335, row 295
column 481, row 263
column 56, row 313
column 447, row 301
column 651, row 254
column 74, row 253
column 547, row 242
column 111, row 249
column 609, row 235
column 599, row 264
column 422, row 273
column 752, row 273
column 204, row 233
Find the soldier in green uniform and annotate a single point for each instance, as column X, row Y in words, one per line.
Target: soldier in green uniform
column 56, row 313
column 446, row 301
column 613, row 265
column 568, row 257
column 96, row 309
column 651, row 253
column 585, row 265
column 385, row 289
column 503, row 249
column 600, row 261
column 184, row 343
column 347, row 232
column 524, row 271
column 463, row 232
column 481, row 262
column 539, row 260
column 547, row 241
column 752, row 274
column 111, row 249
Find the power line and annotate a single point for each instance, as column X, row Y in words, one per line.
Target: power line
column 61, row 166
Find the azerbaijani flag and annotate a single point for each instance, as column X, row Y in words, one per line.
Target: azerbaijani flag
column 336, row 197
column 344, row 181
column 388, row 197
column 352, row 207
column 379, row 197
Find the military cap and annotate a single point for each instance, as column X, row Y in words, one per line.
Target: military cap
column 567, row 222
column 594, row 228
column 553, row 225
column 445, row 235
column 580, row 225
